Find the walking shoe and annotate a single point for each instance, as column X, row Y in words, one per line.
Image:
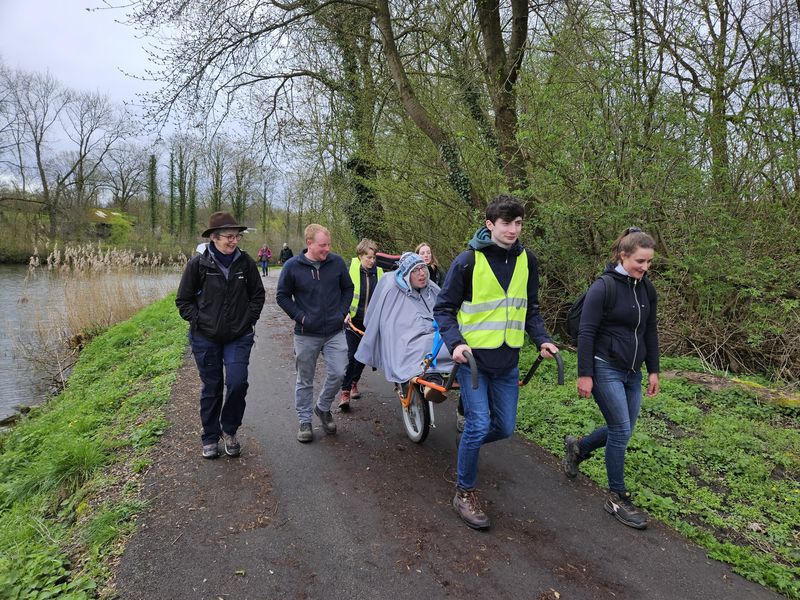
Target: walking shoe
column 305, row 434
column 344, row 400
column 232, row 445
column 211, row 450
column 572, row 456
column 469, row 509
column 354, row 393
column 327, row 420
column 624, row 511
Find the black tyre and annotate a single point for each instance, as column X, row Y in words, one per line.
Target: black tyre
column 417, row 417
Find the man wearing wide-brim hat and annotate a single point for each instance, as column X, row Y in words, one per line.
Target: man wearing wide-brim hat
column 221, row 295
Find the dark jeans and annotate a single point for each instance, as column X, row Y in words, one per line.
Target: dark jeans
column 490, row 414
column 354, row 368
column 211, row 358
column 618, row 395
column 264, row 268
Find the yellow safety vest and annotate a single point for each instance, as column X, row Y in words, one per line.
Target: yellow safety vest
column 495, row 316
column 355, row 275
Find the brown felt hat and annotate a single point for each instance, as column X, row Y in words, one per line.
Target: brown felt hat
column 222, row 220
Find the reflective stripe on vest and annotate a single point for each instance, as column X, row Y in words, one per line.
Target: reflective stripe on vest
column 495, row 316
column 355, row 275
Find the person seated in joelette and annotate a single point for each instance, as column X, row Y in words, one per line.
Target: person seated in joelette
column 399, row 323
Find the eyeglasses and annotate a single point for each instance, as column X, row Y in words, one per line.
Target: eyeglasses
column 231, row 236
column 634, row 230
column 419, row 269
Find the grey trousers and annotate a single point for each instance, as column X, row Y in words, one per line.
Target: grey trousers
column 307, row 349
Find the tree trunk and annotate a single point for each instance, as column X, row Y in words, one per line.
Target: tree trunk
column 457, row 178
column 503, row 68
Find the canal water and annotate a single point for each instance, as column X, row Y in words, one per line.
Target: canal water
column 34, row 309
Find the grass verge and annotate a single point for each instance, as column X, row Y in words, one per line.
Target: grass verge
column 71, row 470
column 720, row 466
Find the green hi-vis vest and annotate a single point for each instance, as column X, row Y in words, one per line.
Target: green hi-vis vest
column 355, row 275
column 494, row 316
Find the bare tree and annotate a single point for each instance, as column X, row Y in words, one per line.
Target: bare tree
column 40, row 101
column 124, row 173
column 93, row 124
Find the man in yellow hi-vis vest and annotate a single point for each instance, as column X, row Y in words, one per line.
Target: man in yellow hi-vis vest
column 365, row 276
column 488, row 302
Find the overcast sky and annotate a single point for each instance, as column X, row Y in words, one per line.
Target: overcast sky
column 82, row 49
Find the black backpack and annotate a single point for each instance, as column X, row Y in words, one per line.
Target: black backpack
column 574, row 314
column 573, row 321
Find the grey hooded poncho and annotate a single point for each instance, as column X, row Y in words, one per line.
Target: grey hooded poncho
column 399, row 326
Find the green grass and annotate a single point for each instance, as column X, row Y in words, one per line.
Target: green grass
column 721, row 467
column 67, row 490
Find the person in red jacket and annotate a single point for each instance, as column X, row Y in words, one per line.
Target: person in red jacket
column 264, row 254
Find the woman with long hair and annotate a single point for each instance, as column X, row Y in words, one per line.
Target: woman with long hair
column 613, row 344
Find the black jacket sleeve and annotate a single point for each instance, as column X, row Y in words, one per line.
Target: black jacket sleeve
column 534, row 323
column 186, row 298
column 652, row 359
column 255, row 292
column 284, row 294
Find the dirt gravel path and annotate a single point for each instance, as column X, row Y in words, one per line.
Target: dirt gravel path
column 366, row 513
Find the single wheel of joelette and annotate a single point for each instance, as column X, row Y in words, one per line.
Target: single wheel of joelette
column 417, row 417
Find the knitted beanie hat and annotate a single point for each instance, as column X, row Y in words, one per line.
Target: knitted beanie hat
column 405, row 265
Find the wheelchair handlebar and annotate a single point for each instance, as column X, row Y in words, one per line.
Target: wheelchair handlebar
column 538, row 361
column 473, row 370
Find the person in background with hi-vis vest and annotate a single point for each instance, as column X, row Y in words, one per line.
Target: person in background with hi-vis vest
column 488, row 302
column 365, row 276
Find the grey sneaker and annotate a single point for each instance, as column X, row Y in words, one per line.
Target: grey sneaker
column 305, row 434
column 211, row 450
column 624, row 511
column 327, row 420
column 232, row 445
column 469, row 509
column 572, row 456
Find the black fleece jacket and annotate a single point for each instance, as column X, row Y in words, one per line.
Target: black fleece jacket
column 628, row 336
column 217, row 308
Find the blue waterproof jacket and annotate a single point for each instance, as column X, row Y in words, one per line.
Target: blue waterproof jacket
column 316, row 298
column 627, row 336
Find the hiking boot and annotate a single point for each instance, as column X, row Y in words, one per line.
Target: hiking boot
column 305, row 434
column 354, row 393
column 572, row 456
column 327, row 420
column 211, row 450
column 232, row 445
column 344, row 400
column 469, row 509
column 620, row 505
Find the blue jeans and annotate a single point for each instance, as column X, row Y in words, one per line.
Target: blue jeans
column 211, row 358
column 307, row 349
column 264, row 268
column 490, row 414
column 618, row 394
